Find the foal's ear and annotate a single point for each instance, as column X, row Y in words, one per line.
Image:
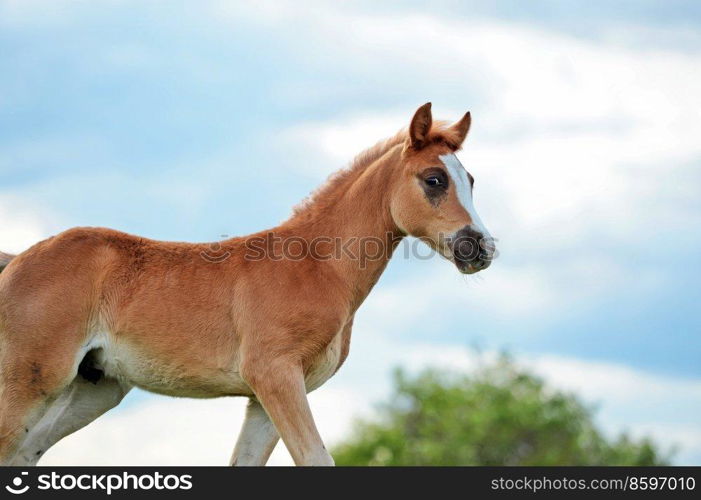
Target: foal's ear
column 461, row 128
column 420, row 126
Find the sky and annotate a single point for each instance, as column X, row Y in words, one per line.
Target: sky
column 194, row 121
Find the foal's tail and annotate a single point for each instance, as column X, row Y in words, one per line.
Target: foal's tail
column 5, row 259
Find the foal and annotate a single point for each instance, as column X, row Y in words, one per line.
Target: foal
column 90, row 313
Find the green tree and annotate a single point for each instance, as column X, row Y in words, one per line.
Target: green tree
column 499, row 415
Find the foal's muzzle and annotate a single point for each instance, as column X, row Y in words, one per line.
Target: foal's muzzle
column 472, row 250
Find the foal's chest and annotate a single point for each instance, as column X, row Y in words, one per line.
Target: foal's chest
column 328, row 361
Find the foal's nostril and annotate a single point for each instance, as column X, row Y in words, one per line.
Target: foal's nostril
column 466, row 245
column 472, row 250
column 467, row 250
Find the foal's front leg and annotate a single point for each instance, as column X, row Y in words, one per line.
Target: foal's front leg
column 280, row 388
column 257, row 439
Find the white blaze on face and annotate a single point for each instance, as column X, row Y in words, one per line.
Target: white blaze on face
column 458, row 175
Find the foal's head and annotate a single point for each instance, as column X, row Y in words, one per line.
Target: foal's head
column 432, row 198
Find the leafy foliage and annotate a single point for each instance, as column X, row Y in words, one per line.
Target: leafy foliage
column 499, row 415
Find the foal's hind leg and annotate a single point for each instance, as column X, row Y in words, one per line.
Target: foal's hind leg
column 257, row 438
column 16, row 418
column 79, row 404
column 26, row 392
column 34, row 371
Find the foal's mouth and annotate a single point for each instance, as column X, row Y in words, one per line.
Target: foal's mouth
column 471, row 251
column 472, row 267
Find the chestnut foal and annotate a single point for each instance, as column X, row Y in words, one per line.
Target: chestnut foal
column 90, row 313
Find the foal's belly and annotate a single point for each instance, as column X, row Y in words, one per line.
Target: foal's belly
column 173, row 376
column 203, row 377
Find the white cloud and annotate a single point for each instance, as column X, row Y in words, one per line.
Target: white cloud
column 22, row 225
column 340, row 143
column 511, row 292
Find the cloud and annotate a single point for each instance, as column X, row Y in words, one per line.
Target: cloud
column 22, row 225
column 338, row 143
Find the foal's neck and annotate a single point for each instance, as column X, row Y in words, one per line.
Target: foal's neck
column 358, row 221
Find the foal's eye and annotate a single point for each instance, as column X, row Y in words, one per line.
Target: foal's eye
column 434, row 181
